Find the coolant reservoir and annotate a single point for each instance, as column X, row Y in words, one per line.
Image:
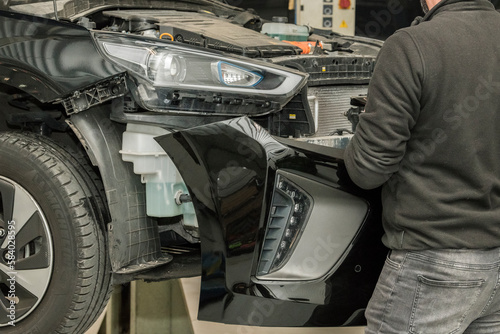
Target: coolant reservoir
column 284, row 31
column 158, row 172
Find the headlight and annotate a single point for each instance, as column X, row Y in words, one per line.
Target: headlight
column 173, row 77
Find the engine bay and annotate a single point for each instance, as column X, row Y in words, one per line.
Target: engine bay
column 199, row 29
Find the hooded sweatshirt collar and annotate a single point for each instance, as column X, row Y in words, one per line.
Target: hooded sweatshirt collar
column 455, row 5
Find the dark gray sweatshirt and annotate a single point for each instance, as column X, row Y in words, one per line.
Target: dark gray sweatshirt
column 431, row 131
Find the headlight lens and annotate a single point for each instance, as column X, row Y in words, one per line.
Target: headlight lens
column 166, row 68
column 170, row 73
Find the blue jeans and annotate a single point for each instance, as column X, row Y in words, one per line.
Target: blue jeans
column 437, row 292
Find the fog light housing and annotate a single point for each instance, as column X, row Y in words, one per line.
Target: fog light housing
column 290, row 210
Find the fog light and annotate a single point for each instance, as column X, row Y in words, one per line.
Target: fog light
column 290, row 211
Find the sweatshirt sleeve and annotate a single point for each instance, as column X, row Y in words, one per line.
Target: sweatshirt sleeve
column 376, row 150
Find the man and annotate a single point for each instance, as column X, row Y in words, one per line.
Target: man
column 431, row 137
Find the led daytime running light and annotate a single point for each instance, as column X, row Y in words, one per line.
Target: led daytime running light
column 232, row 75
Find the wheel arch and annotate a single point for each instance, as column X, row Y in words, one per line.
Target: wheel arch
column 134, row 243
column 125, row 194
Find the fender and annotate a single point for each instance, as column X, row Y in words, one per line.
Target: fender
column 27, row 48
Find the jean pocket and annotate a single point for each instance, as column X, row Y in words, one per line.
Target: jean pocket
column 440, row 307
column 395, row 259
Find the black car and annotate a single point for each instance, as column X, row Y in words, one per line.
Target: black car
column 159, row 139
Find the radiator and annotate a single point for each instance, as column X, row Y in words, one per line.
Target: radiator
column 329, row 104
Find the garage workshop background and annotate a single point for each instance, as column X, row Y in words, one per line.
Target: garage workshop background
column 135, row 308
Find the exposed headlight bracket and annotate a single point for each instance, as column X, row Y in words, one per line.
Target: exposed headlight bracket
column 101, row 92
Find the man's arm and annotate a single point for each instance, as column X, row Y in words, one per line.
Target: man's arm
column 393, row 106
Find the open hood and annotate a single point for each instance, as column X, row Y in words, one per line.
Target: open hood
column 73, row 9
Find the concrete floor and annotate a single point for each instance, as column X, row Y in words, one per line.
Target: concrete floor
column 191, row 288
column 176, row 313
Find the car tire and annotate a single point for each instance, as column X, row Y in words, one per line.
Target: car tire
column 62, row 272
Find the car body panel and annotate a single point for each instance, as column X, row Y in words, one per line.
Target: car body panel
column 230, row 169
column 35, row 56
column 74, row 9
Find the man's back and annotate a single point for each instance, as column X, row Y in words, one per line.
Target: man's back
column 430, row 136
column 431, row 131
